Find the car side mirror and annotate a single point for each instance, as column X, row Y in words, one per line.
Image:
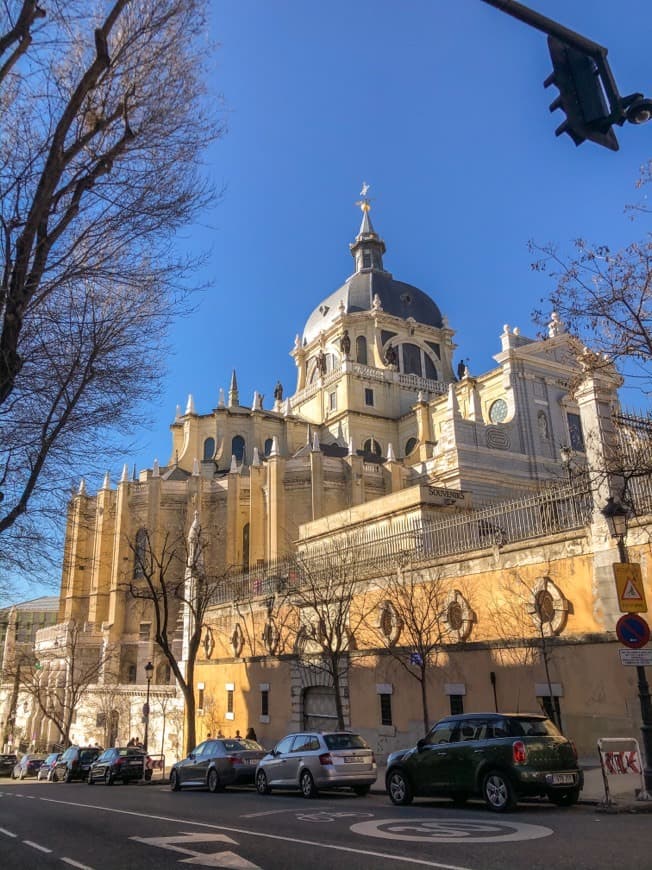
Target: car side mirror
column 191, row 756
column 421, row 743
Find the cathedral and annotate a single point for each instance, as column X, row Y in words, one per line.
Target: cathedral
column 490, row 486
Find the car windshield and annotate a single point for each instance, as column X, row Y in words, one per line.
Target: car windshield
column 534, row 727
column 88, row 754
column 345, row 741
column 130, row 750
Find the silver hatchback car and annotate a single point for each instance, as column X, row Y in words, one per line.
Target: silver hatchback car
column 315, row 760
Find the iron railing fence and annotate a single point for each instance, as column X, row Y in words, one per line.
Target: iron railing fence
column 368, row 550
column 635, row 461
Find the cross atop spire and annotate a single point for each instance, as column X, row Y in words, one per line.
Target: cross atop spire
column 368, row 248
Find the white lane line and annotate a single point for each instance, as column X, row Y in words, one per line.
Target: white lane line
column 7, row 833
column 76, row 864
column 36, row 846
column 246, row 832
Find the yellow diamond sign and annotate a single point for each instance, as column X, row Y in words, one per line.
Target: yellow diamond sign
column 629, row 586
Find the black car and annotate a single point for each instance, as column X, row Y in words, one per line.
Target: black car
column 28, row 765
column 7, row 763
column 75, row 763
column 120, row 763
column 499, row 757
column 217, row 763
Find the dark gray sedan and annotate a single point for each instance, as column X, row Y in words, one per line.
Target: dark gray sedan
column 215, row 764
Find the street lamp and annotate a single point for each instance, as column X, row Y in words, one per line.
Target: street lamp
column 149, row 670
column 616, row 516
column 566, row 455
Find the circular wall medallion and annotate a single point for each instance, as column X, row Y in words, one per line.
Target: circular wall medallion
column 460, row 618
column 548, row 607
column 498, row 411
column 389, row 622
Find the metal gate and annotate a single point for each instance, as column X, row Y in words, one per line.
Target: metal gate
column 319, row 712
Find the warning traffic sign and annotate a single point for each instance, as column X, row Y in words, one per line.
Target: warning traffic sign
column 629, row 586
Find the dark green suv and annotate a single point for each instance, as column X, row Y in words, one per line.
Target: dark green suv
column 499, row 757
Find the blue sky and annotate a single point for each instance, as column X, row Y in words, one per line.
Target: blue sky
column 439, row 105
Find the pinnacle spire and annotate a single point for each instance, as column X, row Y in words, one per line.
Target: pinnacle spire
column 234, row 400
column 368, row 248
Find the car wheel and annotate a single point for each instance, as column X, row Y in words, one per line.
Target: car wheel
column 399, row 789
column 175, row 785
column 361, row 790
column 54, row 777
column 213, row 781
column 307, row 785
column 108, row 777
column 498, row 792
column 21, row 775
column 262, row 786
column 68, row 776
column 565, row 798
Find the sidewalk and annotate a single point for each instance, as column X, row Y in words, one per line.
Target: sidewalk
column 622, row 789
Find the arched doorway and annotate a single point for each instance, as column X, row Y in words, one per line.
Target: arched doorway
column 319, row 711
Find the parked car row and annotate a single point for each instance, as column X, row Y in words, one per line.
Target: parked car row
column 494, row 756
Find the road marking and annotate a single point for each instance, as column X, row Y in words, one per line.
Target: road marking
column 266, row 813
column 429, row 830
column 7, row 833
column 207, row 859
column 36, row 846
column 76, row 864
column 248, row 833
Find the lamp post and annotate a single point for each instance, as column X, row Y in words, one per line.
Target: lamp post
column 616, row 516
column 566, row 455
column 149, row 670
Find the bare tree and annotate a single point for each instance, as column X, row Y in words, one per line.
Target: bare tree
column 170, row 575
column 327, row 603
column 415, row 618
column 61, row 674
column 103, row 124
column 525, row 616
column 604, row 297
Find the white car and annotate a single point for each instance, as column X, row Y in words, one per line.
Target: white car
column 313, row 760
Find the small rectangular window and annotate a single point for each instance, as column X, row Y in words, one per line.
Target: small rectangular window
column 457, row 704
column 145, row 630
column 229, row 700
column 264, row 702
column 332, row 401
column 385, row 709
column 369, row 397
column 200, row 699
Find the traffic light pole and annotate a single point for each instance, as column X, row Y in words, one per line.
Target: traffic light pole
column 634, row 108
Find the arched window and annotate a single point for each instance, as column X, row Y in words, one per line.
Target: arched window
column 140, row 553
column 372, row 446
column 209, row 448
column 411, row 359
column 431, row 371
column 238, row 448
column 410, row 444
column 268, row 446
column 245, row 547
column 361, row 350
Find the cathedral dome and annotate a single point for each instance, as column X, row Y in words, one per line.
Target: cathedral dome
column 371, row 287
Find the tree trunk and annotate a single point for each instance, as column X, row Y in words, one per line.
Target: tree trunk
column 424, row 703
column 189, row 734
column 338, row 697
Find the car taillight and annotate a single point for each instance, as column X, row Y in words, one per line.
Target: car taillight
column 234, row 759
column 325, row 758
column 74, row 762
column 118, row 762
column 519, row 752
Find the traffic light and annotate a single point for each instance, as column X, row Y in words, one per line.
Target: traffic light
column 581, row 96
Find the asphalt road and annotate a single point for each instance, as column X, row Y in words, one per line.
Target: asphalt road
column 142, row 826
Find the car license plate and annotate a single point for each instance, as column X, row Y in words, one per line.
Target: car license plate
column 350, row 759
column 251, row 761
column 135, row 763
column 563, row 779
